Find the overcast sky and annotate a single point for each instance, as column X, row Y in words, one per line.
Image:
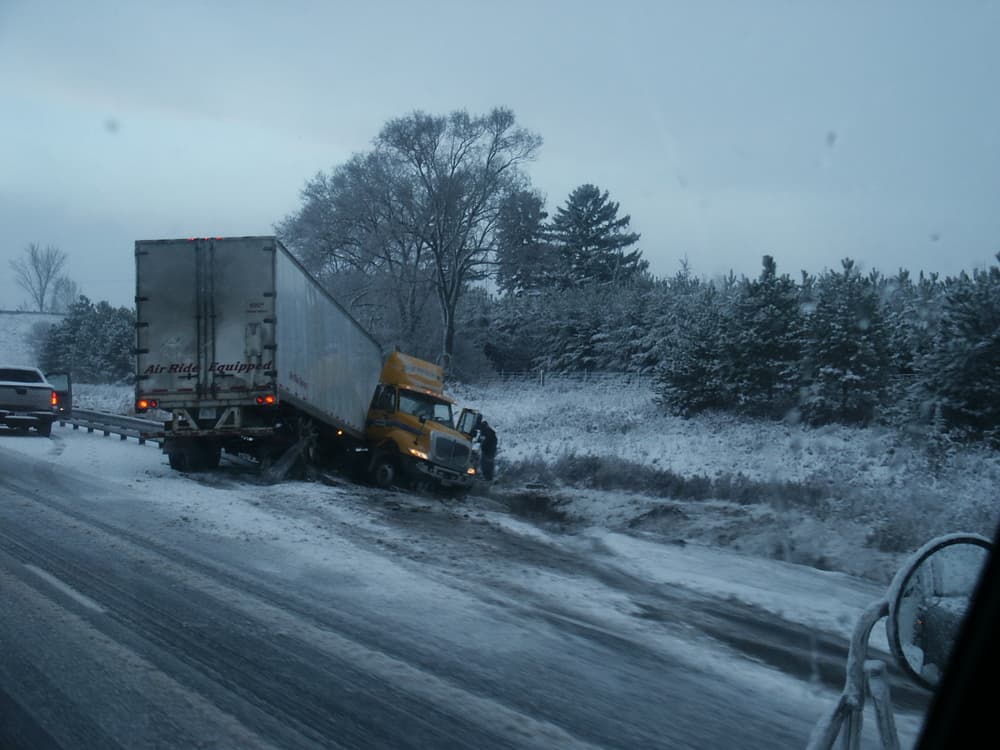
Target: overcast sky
column 809, row 131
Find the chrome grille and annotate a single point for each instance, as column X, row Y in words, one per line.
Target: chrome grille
column 454, row 453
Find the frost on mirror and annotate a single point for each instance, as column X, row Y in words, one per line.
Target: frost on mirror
column 932, row 604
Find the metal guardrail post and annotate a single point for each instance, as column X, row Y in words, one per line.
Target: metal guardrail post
column 111, row 424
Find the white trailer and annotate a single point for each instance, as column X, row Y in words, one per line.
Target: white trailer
column 245, row 350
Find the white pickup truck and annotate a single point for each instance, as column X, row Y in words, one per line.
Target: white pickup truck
column 27, row 399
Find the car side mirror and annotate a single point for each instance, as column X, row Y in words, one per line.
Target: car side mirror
column 928, row 600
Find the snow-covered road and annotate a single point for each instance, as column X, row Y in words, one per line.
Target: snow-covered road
column 143, row 602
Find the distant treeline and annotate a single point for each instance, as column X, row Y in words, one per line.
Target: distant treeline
column 841, row 346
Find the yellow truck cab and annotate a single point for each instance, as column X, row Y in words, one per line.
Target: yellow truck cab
column 411, row 428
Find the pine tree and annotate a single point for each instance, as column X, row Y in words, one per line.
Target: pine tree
column 763, row 343
column 518, row 329
column 912, row 313
column 965, row 359
column 692, row 374
column 592, row 240
column 575, row 322
column 845, row 361
column 657, row 322
column 525, row 260
column 619, row 343
column 93, row 342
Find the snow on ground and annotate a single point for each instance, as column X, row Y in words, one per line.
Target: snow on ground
column 114, row 399
column 874, row 493
column 620, row 418
column 294, row 543
column 247, row 511
column 742, row 551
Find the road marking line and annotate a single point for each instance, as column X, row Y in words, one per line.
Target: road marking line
column 71, row 592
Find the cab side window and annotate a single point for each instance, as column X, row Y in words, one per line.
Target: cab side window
column 385, row 398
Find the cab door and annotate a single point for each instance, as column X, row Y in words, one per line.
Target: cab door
column 380, row 412
column 468, row 421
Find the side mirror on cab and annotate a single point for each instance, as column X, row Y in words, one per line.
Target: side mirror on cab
column 928, row 600
column 925, row 606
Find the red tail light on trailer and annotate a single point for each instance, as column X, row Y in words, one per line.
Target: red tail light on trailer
column 267, row 400
column 144, row 404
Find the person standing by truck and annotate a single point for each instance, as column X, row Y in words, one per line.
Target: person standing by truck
column 488, row 447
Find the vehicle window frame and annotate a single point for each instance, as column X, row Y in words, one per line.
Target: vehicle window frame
column 37, row 377
column 442, row 411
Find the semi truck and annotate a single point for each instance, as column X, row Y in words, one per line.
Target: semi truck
column 247, row 353
column 412, row 430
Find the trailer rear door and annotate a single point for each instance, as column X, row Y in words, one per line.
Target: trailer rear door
column 205, row 314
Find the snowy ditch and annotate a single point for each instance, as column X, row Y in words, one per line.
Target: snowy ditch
column 603, row 455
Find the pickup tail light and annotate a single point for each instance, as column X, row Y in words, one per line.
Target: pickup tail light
column 55, row 398
column 145, row 404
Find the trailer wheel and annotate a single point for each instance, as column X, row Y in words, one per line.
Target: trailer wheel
column 385, row 470
column 211, row 454
column 194, row 456
column 178, row 459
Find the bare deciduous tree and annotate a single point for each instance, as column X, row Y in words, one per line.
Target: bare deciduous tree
column 421, row 209
column 353, row 229
column 36, row 271
column 64, row 293
column 459, row 169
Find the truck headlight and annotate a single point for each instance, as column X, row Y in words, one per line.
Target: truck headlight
column 418, row 453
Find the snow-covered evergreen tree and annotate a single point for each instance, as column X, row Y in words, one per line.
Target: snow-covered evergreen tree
column 912, row 313
column 846, row 360
column 692, row 375
column 93, row 342
column 963, row 370
column 517, row 332
column 763, row 343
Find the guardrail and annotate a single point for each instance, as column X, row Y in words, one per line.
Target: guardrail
column 112, row 424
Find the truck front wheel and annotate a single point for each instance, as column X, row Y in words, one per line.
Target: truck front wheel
column 385, row 470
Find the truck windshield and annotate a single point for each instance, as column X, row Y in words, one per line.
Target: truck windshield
column 426, row 406
column 12, row 375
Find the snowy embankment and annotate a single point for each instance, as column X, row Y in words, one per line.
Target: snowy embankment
column 114, row 399
column 843, row 498
column 855, row 500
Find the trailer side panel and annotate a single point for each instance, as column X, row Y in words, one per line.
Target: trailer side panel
column 327, row 365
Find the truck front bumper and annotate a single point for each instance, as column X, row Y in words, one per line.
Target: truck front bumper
column 444, row 476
